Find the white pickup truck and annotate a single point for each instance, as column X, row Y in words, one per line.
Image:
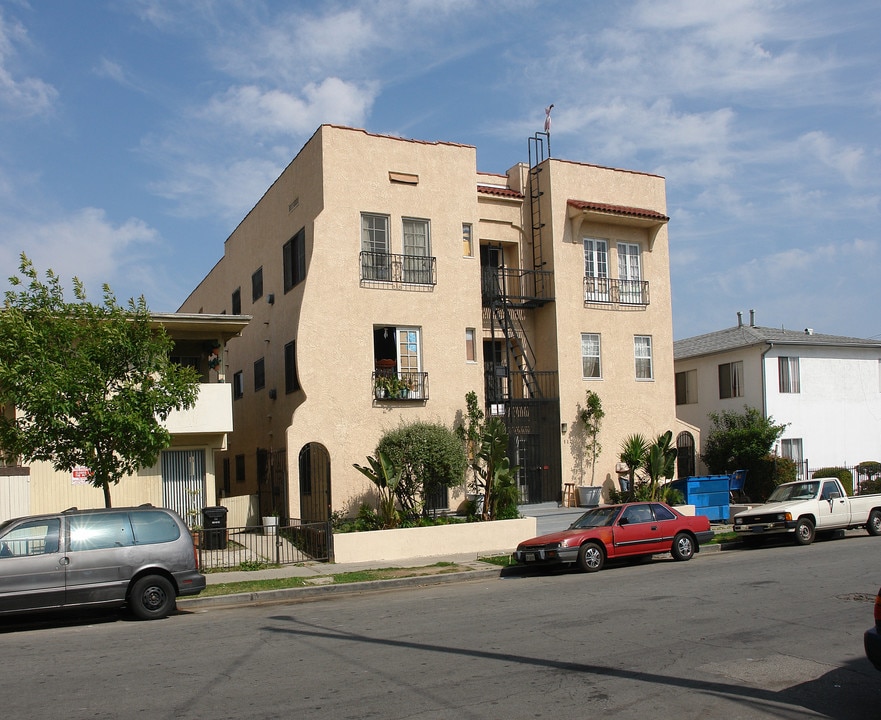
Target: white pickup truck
column 807, row 507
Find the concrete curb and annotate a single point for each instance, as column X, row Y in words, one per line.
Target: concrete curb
column 313, row 592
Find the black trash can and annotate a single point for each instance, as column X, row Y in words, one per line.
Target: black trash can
column 214, row 528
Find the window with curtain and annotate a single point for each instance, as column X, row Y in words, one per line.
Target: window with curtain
column 788, row 373
column 642, row 353
column 731, row 380
column 591, row 367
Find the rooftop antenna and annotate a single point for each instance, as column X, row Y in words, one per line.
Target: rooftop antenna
column 548, row 125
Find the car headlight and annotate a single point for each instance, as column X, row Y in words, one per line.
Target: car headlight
column 738, row 521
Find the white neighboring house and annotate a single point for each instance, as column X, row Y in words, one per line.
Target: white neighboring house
column 825, row 388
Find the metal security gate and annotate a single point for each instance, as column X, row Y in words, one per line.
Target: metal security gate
column 183, row 483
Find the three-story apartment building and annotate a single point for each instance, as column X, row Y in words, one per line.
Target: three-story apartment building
column 388, row 277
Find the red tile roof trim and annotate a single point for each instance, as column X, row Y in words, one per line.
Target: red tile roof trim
column 618, row 210
column 499, row 191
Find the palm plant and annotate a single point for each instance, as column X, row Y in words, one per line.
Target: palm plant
column 659, row 462
column 633, row 453
column 387, row 477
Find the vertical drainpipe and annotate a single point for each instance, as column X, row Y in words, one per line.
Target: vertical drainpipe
column 765, row 381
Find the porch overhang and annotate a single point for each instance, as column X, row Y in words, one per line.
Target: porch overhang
column 581, row 211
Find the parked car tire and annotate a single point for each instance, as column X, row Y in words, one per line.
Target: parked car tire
column 873, row 525
column 683, row 547
column 591, row 557
column 804, row 532
column 152, row 597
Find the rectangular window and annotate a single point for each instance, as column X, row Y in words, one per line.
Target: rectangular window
column 291, row 381
column 596, row 270
column 629, row 274
column 792, row 449
column 240, row 468
column 237, row 301
column 226, row 477
column 257, row 285
column 788, row 373
column 416, row 263
column 642, row 353
column 590, row 356
column 686, row 387
column 238, row 385
column 293, row 258
column 259, row 374
column 375, row 259
column 731, row 380
column 397, row 353
column 467, row 243
column 470, row 345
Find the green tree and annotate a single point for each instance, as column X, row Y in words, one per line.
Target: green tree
column 739, row 440
column 470, row 430
column 743, row 441
column 91, row 384
column 429, row 455
column 591, row 417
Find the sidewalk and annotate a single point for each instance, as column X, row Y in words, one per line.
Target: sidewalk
column 550, row 517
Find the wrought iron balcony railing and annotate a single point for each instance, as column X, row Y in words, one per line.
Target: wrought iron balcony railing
column 614, row 291
column 526, row 288
column 400, row 385
column 398, row 269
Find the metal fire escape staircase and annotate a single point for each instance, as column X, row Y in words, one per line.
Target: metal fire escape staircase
column 510, row 292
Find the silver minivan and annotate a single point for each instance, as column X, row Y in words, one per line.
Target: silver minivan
column 140, row 557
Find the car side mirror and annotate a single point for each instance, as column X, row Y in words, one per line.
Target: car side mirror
column 833, row 496
column 624, row 521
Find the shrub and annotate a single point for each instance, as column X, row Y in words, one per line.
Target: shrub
column 869, row 476
column 845, row 477
column 765, row 474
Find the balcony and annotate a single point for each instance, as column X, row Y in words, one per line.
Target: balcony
column 212, row 412
column 517, row 287
column 611, row 291
column 415, row 272
column 399, row 385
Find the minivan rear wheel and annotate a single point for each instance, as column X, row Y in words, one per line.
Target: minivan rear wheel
column 152, row 597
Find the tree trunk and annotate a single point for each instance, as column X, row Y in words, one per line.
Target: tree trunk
column 106, row 487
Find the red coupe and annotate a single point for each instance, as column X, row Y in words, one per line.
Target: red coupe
column 618, row 531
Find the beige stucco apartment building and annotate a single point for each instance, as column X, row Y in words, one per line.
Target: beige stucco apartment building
column 387, row 278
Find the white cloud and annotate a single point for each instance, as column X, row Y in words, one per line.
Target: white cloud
column 20, row 96
column 84, row 244
column 273, row 111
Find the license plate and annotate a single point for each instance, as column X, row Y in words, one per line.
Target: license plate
column 531, row 557
column 758, row 528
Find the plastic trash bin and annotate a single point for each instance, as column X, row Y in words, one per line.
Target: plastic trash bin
column 214, row 528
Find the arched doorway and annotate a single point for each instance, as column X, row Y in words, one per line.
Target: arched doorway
column 314, row 471
column 685, row 456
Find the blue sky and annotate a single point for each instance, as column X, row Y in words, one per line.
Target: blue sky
column 136, row 134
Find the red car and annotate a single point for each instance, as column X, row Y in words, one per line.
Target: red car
column 618, row 531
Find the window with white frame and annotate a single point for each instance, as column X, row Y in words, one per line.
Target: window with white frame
column 642, row 354
column 591, row 366
column 788, row 373
column 792, row 448
column 629, row 273
column 398, row 358
column 375, row 258
column 596, row 270
column 686, row 387
column 416, row 263
column 731, row 380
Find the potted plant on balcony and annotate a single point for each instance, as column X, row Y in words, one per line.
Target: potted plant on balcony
column 389, row 387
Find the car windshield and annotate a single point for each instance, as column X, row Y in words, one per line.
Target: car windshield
column 597, row 517
column 796, row 491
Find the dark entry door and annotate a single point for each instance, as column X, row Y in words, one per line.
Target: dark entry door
column 314, row 468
